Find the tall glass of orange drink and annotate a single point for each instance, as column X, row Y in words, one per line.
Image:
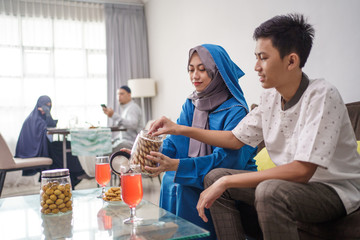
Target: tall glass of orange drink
column 102, row 173
column 131, row 193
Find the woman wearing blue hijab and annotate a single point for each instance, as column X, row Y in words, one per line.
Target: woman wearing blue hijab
column 217, row 103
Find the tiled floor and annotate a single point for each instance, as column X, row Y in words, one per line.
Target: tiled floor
column 16, row 185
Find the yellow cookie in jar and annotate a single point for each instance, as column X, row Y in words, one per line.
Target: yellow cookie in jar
column 53, row 197
column 61, row 188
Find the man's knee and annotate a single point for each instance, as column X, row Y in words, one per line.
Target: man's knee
column 212, row 176
column 270, row 190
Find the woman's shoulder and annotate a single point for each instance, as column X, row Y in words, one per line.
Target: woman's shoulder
column 231, row 105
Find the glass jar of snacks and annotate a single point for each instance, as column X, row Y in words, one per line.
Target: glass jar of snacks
column 55, row 192
column 144, row 144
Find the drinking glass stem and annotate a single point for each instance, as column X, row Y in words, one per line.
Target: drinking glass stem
column 103, row 191
column 132, row 213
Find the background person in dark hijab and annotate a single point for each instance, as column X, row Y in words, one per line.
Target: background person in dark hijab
column 33, row 141
column 217, row 103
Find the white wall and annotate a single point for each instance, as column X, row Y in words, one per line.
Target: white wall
column 175, row 26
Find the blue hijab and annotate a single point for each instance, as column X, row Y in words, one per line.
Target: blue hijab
column 32, row 140
column 221, row 69
column 229, row 71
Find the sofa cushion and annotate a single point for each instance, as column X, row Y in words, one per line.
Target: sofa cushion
column 345, row 228
column 263, row 161
column 354, row 114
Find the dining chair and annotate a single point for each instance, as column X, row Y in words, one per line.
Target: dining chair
column 8, row 163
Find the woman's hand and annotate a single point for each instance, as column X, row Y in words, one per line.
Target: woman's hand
column 208, row 197
column 163, row 126
column 165, row 163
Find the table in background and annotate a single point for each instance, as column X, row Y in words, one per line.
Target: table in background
column 65, row 132
column 91, row 218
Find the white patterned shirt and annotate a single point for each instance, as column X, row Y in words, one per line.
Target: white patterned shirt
column 316, row 129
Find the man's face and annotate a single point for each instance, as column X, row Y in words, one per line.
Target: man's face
column 270, row 67
column 124, row 96
column 197, row 72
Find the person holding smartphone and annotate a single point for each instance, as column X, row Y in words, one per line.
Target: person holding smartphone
column 130, row 117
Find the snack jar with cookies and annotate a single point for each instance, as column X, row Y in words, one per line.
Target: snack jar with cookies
column 55, row 192
column 144, row 143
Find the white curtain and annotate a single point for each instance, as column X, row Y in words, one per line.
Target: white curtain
column 55, row 48
column 55, row 9
column 127, row 49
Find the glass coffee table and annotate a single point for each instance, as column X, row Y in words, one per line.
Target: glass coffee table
column 91, row 218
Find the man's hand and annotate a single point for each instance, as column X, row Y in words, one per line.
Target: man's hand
column 163, row 126
column 296, row 171
column 165, row 163
column 208, row 197
column 108, row 111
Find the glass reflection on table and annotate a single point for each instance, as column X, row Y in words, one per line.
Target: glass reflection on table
column 104, row 220
column 57, row 226
column 91, row 218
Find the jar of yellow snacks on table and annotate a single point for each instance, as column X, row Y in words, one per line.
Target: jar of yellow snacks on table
column 55, row 192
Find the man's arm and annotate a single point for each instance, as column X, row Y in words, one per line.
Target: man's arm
column 295, row 171
column 222, row 139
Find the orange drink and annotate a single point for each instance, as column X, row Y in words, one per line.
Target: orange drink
column 131, row 193
column 102, row 173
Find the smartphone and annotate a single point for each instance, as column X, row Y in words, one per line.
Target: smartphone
column 103, row 105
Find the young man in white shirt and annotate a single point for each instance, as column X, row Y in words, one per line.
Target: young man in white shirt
column 307, row 132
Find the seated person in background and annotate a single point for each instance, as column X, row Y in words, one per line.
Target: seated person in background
column 129, row 118
column 217, row 103
column 33, row 140
column 307, row 132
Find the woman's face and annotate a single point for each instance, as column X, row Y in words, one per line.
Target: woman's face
column 197, row 72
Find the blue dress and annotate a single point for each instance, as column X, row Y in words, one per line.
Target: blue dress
column 180, row 190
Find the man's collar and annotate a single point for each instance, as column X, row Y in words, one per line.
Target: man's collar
column 299, row 92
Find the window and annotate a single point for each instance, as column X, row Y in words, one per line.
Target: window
column 62, row 58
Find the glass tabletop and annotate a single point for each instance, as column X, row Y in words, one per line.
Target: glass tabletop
column 91, row 218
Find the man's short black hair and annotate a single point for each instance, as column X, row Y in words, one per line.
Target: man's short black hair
column 288, row 33
column 126, row 88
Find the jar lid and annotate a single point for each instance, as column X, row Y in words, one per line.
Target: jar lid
column 55, row 173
